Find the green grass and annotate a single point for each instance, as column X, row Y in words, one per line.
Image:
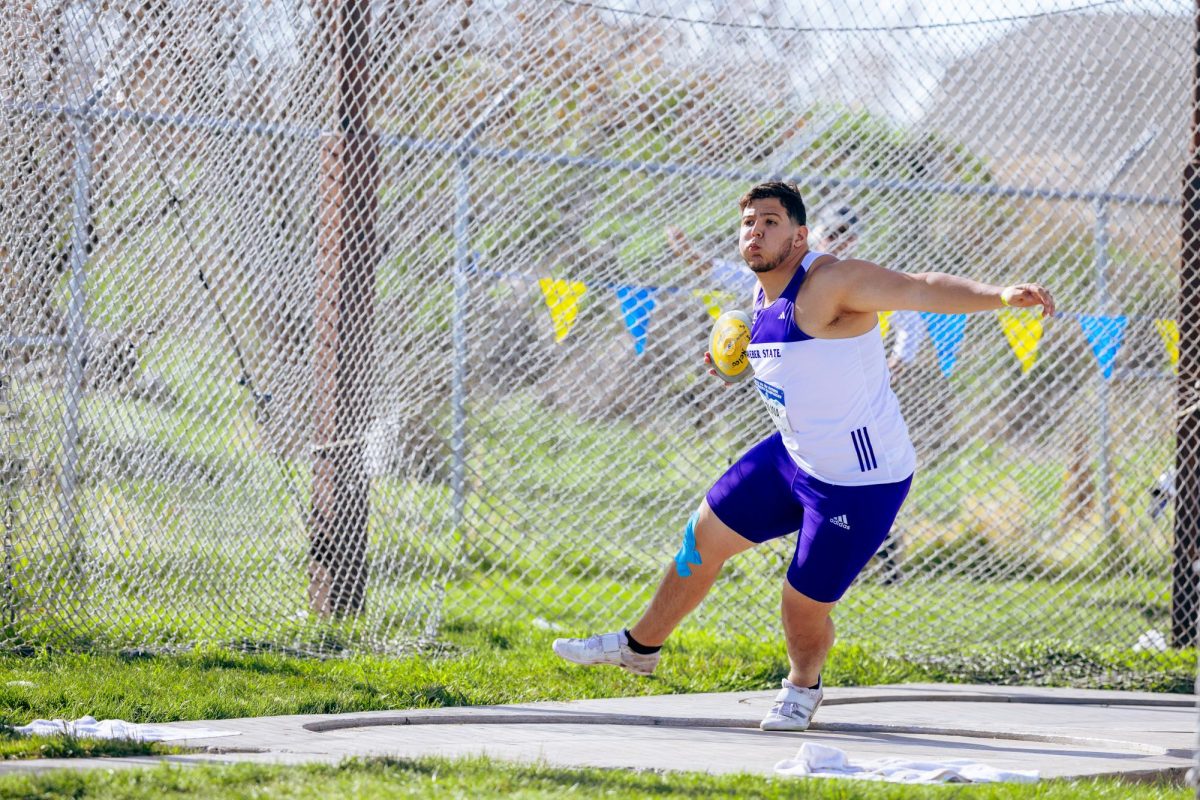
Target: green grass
column 482, row 777
column 486, row 666
column 16, row 746
column 479, row 665
column 500, row 665
column 992, row 630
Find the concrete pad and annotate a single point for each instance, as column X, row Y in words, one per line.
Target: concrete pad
column 1059, row 732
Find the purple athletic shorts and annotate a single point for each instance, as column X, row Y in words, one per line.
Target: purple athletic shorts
column 764, row 495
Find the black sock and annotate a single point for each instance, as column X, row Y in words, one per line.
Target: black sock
column 638, row 647
column 818, row 686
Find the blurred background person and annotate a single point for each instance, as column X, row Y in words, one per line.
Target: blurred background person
column 731, row 277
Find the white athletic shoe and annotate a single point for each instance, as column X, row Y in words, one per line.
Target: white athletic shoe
column 606, row 648
column 794, row 708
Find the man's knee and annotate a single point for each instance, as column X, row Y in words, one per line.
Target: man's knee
column 688, row 555
column 798, row 604
column 707, row 543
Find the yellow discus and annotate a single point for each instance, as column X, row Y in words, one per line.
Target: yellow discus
column 727, row 346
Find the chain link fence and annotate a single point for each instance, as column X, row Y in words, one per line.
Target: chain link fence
column 327, row 325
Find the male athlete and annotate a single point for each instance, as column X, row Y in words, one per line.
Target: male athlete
column 841, row 463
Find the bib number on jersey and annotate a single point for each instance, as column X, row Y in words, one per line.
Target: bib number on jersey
column 772, row 395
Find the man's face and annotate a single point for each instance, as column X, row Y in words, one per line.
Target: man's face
column 768, row 235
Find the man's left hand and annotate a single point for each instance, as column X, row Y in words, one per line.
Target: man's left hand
column 1028, row 295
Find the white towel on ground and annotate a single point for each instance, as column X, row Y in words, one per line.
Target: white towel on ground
column 115, row 729
column 822, row 761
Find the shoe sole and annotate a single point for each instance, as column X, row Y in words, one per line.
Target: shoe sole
column 641, row 673
column 777, row 726
column 782, row 724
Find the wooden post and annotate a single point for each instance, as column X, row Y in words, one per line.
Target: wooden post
column 1185, row 597
column 343, row 347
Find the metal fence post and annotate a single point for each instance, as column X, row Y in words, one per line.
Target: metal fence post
column 81, row 235
column 1185, row 595
column 458, row 331
column 1104, row 486
column 458, row 322
column 1104, row 468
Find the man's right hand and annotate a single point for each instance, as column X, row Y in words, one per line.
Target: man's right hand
column 713, row 372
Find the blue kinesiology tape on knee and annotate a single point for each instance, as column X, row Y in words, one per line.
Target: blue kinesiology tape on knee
column 688, row 555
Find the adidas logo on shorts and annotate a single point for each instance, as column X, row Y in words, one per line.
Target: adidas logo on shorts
column 841, row 521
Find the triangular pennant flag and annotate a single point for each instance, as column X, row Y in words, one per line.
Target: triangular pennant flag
column 1023, row 329
column 636, row 304
column 885, row 319
column 1168, row 329
column 1105, row 334
column 714, row 300
column 562, row 298
column 947, row 332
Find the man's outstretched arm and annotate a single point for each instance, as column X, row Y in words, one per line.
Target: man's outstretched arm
column 870, row 287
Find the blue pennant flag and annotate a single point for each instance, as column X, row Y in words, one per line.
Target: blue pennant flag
column 1105, row 335
column 947, row 332
column 636, row 304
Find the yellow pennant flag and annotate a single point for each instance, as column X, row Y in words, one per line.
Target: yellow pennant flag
column 1168, row 329
column 562, row 298
column 714, row 300
column 885, row 319
column 1023, row 329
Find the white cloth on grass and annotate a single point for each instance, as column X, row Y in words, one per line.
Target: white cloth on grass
column 90, row 727
column 822, row 761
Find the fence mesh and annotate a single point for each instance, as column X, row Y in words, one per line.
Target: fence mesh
column 327, row 324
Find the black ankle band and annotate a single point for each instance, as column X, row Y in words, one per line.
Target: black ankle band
column 638, row 647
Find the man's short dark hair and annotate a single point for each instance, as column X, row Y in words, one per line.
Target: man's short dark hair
column 787, row 194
